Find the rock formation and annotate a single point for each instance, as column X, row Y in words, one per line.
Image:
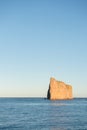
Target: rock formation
column 59, row 90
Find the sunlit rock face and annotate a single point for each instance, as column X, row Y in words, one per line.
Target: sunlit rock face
column 59, row 90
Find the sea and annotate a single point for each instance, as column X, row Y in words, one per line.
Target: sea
column 43, row 114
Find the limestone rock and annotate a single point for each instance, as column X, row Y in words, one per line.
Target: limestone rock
column 59, row 90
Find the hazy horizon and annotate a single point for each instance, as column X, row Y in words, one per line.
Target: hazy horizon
column 39, row 40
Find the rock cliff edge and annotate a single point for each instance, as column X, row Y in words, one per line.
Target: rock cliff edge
column 59, row 90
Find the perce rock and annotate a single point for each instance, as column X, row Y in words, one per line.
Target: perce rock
column 59, row 90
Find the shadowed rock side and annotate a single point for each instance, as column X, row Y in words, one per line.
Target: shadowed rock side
column 59, row 90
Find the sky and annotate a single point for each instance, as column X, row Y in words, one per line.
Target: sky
column 40, row 39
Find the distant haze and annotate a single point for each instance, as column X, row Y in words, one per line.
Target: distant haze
column 40, row 39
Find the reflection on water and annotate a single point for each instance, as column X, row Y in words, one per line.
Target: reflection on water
column 58, row 104
column 58, row 129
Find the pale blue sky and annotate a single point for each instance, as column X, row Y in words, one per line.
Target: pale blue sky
column 40, row 39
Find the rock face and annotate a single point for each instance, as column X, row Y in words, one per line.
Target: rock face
column 59, row 90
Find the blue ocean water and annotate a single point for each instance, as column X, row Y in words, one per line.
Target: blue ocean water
column 43, row 114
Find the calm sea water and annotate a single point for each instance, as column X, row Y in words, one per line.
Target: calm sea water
column 42, row 114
